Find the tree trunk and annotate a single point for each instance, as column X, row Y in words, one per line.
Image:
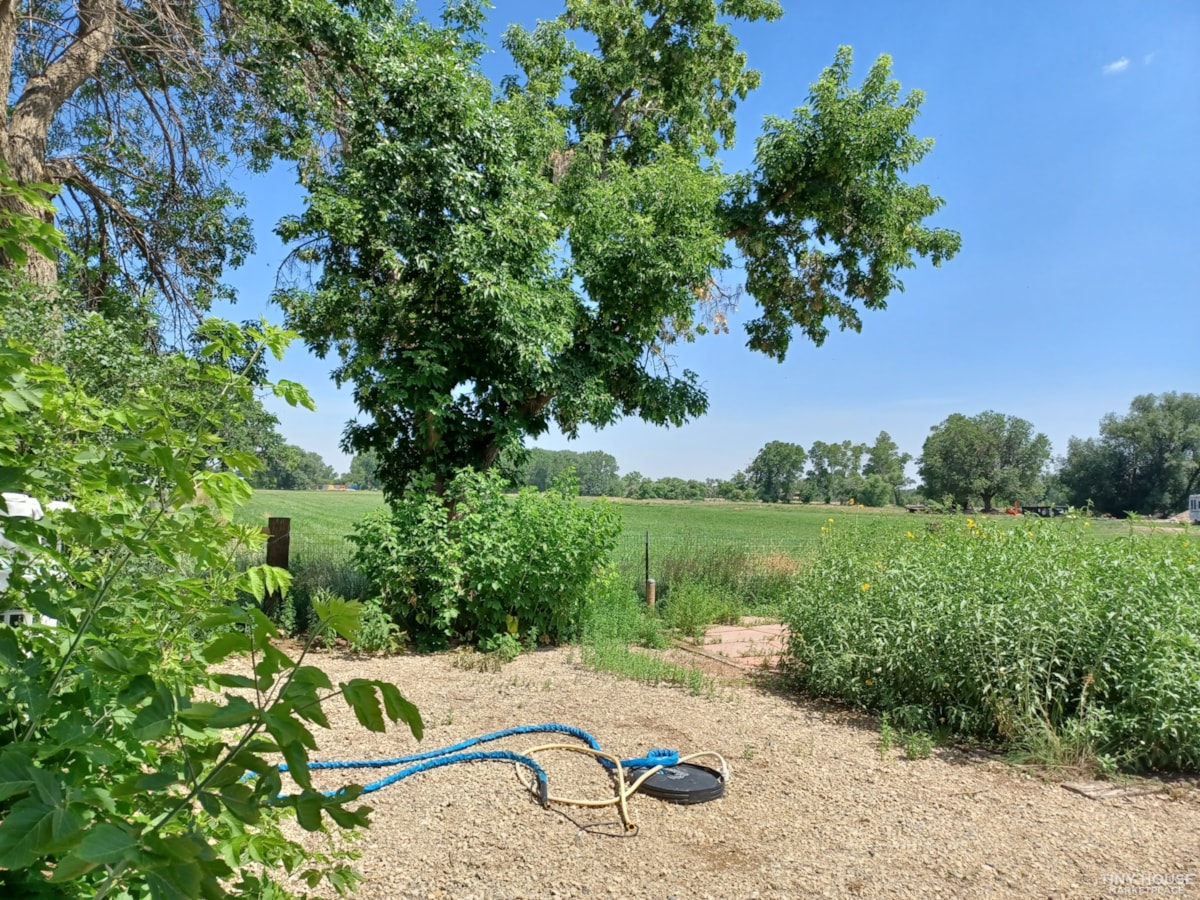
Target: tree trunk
column 25, row 143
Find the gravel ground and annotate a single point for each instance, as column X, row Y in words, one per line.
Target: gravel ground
column 810, row 810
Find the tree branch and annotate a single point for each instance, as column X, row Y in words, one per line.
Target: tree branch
column 44, row 94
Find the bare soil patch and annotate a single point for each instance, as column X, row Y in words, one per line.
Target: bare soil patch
column 811, row 809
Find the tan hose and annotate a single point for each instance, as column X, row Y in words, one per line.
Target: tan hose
column 623, row 791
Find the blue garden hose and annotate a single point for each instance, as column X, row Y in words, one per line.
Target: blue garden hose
column 641, row 768
column 460, row 752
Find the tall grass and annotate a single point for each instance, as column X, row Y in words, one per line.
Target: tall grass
column 617, row 630
column 750, row 577
column 1023, row 632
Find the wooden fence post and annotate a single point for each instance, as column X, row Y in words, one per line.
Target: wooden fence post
column 279, row 540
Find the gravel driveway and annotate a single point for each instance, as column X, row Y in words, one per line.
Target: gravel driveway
column 810, row 811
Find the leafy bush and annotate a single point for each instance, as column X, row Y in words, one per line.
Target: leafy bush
column 477, row 565
column 377, row 632
column 693, row 606
column 1028, row 633
column 116, row 776
column 616, row 615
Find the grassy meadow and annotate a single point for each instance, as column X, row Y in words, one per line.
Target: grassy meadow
column 1074, row 641
column 758, row 532
column 331, row 514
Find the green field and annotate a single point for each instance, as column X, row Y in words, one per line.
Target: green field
column 327, row 516
column 760, row 532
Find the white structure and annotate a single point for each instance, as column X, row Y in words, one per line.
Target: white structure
column 25, row 507
column 1194, row 508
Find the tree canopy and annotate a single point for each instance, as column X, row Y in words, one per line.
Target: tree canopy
column 491, row 259
column 836, row 470
column 984, row 456
column 139, row 113
column 776, row 471
column 1147, row 461
column 886, row 462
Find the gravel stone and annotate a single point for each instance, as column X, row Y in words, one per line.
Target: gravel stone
column 810, row 809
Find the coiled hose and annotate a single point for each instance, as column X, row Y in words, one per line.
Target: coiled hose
column 654, row 761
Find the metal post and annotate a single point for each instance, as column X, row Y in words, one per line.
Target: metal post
column 650, row 586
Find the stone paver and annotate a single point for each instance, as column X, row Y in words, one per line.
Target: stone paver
column 751, row 645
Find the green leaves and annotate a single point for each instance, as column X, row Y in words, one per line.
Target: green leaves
column 106, row 844
column 32, row 828
column 575, row 223
column 116, row 772
column 825, row 221
column 259, row 581
column 339, row 616
column 1033, row 634
column 532, row 559
column 360, row 694
column 986, row 456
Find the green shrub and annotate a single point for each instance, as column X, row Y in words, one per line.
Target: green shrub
column 694, row 605
column 617, row 615
column 377, row 632
column 1022, row 632
column 477, row 565
column 126, row 741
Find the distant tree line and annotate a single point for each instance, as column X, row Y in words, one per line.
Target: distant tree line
column 1145, row 462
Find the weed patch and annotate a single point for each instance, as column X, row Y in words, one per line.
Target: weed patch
column 1067, row 648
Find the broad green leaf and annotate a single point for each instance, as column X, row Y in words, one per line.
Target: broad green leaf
column 400, row 710
column 70, row 867
column 139, row 688
column 106, row 844
column 210, row 803
column 225, row 679
column 225, row 645
column 343, row 616
column 153, row 721
column 236, row 712
column 238, row 799
column 32, row 828
column 16, row 775
column 360, row 695
column 348, row 818
column 112, row 661
column 308, row 811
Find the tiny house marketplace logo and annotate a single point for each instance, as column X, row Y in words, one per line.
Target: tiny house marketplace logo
column 1145, row 884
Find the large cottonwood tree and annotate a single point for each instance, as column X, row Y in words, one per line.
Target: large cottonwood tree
column 137, row 112
column 492, row 259
column 984, row 456
column 1146, row 461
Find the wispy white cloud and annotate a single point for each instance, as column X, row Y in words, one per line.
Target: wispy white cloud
column 1116, row 66
column 1149, row 57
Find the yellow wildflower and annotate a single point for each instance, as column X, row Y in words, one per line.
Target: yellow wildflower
column 970, row 523
column 869, row 682
column 866, row 586
column 851, row 501
column 909, row 533
column 830, row 520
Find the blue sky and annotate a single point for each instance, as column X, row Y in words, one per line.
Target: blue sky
column 1067, row 139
